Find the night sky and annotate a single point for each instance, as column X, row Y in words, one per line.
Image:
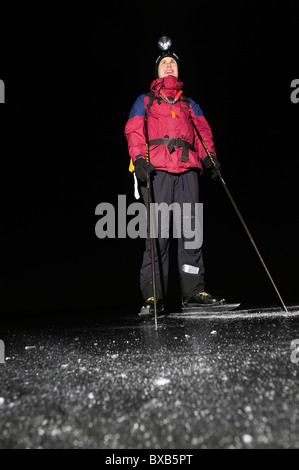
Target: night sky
column 71, row 78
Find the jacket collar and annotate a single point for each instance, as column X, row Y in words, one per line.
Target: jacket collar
column 170, row 85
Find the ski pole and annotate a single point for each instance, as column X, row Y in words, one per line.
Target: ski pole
column 236, row 209
column 149, row 201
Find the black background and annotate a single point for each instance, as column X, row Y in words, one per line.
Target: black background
column 71, row 77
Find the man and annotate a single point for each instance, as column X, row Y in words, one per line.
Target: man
column 176, row 157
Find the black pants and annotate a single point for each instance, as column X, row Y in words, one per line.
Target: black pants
column 174, row 188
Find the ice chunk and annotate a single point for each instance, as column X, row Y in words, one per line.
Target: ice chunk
column 161, row 381
column 247, row 439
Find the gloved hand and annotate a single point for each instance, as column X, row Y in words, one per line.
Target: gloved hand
column 142, row 168
column 208, row 164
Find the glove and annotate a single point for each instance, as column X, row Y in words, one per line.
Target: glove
column 142, row 168
column 208, row 164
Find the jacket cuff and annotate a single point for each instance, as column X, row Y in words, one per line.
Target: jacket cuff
column 138, row 156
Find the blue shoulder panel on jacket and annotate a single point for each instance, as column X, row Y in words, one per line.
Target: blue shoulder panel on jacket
column 138, row 108
column 196, row 108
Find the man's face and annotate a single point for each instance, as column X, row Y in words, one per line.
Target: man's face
column 168, row 66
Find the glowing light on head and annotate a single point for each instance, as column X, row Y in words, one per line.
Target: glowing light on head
column 164, row 43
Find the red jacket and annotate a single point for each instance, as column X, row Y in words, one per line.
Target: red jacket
column 168, row 121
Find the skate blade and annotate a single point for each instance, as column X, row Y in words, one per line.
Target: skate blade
column 221, row 307
column 147, row 312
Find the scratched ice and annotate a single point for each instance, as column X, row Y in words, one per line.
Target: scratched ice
column 119, row 384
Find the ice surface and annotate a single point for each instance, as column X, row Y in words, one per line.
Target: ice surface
column 120, row 384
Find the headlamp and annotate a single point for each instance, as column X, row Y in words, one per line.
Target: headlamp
column 164, row 43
